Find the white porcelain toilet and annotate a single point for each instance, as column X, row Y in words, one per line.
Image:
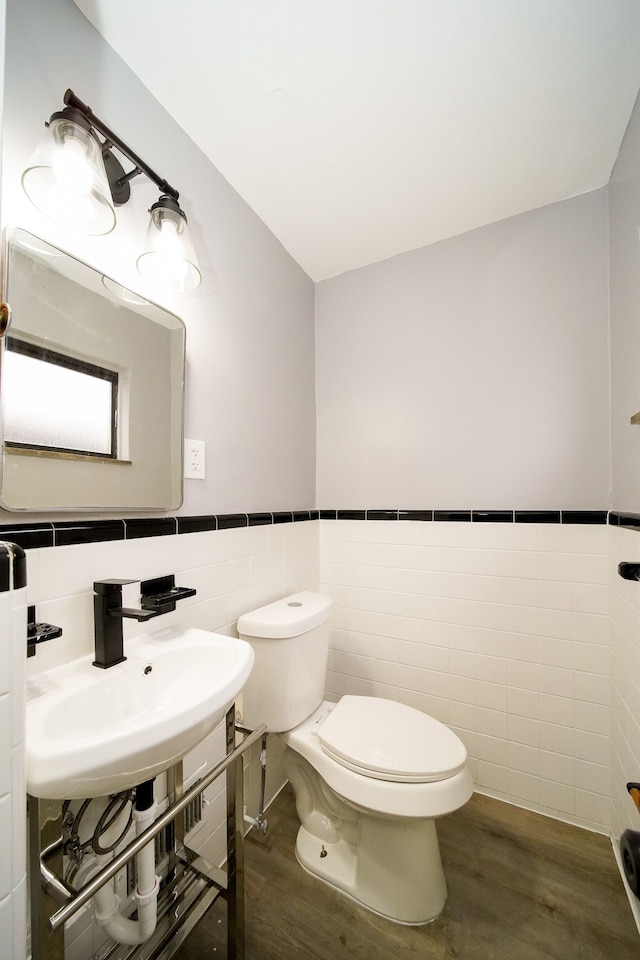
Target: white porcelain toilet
column 369, row 775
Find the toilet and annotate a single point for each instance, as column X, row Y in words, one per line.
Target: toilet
column 370, row 775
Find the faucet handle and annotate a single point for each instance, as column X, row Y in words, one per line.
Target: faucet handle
column 134, row 613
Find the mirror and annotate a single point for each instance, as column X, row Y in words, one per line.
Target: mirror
column 91, row 383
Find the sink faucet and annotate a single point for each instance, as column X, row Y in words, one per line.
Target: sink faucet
column 108, row 616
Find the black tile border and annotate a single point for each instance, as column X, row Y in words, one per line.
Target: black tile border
column 150, row 527
column 629, row 520
column 452, row 516
column 83, row 531
column 229, row 521
column 32, row 535
column 492, row 516
column 585, row 516
column 29, row 536
column 259, row 519
column 13, row 567
column 538, row 516
column 197, row 524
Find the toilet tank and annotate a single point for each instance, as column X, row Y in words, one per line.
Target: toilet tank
column 290, row 639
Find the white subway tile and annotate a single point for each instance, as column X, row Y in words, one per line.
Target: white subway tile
column 524, row 758
column 524, row 703
column 6, row 841
column 558, row 710
column 523, row 730
column 463, row 689
column 462, row 716
column 557, row 681
column 558, row 797
column 492, row 669
column 557, row 623
column 558, row 739
column 525, row 620
column 462, row 663
column 6, row 736
column 524, row 564
column 555, row 538
column 436, row 684
column 593, row 808
column 557, row 595
column 524, row 647
column 592, row 658
column 592, row 598
column 555, row 652
column 523, row 592
column 594, row 777
column 493, row 723
column 592, row 688
column 494, row 777
column 593, row 747
column 591, row 569
column 524, row 786
column 492, row 750
column 522, row 675
column 492, row 616
column 495, row 696
column 557, row 767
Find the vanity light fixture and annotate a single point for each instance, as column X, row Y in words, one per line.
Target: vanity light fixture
column 74, row 178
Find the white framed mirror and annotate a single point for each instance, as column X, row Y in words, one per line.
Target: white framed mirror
column 91, row 385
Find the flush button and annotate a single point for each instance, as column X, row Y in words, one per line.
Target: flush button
column 294, row 603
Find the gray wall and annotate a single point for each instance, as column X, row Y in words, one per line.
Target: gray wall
column 472, row 373
column 624, row 218
column 250, row 341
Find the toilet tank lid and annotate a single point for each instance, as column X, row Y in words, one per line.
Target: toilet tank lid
column 289, row 617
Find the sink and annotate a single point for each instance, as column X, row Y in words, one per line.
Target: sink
column 93, row 732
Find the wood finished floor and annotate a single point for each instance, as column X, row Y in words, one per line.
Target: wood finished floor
column 521, row 887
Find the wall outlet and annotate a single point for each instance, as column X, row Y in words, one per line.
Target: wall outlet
column 194, row 460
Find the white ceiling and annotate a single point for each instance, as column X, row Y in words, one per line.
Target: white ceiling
column 358, row 129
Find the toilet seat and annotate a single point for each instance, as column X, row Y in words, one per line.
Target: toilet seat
column 386, row 740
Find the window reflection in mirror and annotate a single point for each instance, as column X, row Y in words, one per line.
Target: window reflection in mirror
column 56, row 403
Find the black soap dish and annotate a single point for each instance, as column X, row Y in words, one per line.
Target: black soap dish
column 161, row 594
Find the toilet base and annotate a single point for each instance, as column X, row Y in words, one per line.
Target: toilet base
column 398, row 875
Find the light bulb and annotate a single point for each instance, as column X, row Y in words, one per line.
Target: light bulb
column 66, row 180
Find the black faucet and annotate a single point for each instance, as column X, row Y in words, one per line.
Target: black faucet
column 108, row 614
column 158, row 596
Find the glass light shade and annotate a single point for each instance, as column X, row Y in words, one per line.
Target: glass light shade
column 168, row 259
column 66, row 180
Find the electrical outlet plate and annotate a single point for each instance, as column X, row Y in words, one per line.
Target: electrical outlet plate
column 194, row 460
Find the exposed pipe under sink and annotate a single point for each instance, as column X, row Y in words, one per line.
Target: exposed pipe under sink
column 106, row 902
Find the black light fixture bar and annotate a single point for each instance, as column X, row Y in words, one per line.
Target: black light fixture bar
column 114, row 140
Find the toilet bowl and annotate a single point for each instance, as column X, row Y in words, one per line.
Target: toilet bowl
column 370, row 775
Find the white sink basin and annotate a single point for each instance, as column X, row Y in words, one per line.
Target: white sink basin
column 93, row 732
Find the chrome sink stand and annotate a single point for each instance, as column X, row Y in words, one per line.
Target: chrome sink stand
column 189, row 887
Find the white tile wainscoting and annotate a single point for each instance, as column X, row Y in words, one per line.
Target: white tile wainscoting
column 521, row 636
column 13, row 836
column 500, row 630
column 232, row 571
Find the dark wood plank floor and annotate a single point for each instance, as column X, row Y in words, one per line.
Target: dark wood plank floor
column 521, row 887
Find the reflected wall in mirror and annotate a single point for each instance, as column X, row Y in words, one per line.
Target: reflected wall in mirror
column 92, row 384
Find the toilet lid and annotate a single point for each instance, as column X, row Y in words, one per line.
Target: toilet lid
column 390, row 741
